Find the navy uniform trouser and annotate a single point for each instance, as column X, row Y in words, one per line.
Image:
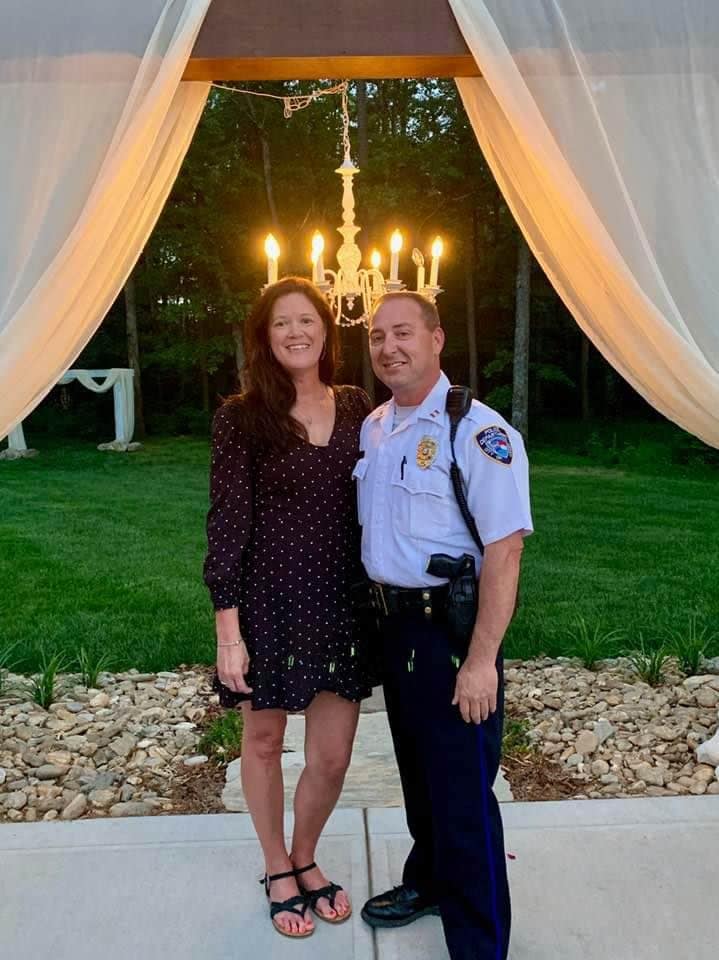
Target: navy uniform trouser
column 447, row 768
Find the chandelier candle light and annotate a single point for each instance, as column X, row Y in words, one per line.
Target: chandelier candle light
column 351, row 282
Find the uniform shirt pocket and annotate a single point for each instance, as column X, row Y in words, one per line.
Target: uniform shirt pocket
column 422, row 503
column 358, row 474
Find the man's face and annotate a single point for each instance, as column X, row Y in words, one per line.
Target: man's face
column 404, row 351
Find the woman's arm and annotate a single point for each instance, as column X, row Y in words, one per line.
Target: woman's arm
column 229, row 522
column 229, row 519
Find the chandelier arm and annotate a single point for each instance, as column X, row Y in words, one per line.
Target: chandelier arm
column 351, row 281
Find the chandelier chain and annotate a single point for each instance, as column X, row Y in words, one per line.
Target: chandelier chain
column 298, row 101
column 345, row 124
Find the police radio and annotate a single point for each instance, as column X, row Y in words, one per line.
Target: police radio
column 457, row 405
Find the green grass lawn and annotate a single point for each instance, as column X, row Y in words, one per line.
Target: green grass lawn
column 106, row 550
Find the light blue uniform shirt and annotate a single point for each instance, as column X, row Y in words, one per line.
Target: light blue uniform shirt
column 406, row 501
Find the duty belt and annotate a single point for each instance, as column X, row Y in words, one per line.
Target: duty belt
column 431, row 602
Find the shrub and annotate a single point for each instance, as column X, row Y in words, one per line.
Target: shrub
column 649, row 665
column 591, row 646
column 91, row 664
column 44, row 685
column 690, row 646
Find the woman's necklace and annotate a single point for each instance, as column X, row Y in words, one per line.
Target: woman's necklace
column 307, row 418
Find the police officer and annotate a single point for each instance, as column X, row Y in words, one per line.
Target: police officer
column 445, row 705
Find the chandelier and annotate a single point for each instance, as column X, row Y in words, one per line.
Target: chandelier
column 351, row 283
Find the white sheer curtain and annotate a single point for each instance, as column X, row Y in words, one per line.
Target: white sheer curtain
column 94, row 123
column 600, row 122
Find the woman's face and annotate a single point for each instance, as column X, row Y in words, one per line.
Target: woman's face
column 297, row 334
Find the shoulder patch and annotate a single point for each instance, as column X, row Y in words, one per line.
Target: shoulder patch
column 494, row 443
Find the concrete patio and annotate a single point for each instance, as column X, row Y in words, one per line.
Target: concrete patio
column 591, row 880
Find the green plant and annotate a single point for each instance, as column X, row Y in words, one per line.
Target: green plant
column 591, row 646
column 649, row 664
column 222, row 741
column 44, row 685
column 91, row 664
column 690, row 646
column 515, row 741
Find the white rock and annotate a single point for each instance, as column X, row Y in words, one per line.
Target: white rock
column 709, row 752
column 3, row 775
column 100, row 700
column 195, row 761
column 233, row 770
column 603, row 730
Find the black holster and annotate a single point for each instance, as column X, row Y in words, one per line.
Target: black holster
column 462, row 594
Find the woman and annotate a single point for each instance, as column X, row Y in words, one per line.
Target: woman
column 283, row 549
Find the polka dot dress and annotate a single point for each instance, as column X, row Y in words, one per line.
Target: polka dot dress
column 284, row 547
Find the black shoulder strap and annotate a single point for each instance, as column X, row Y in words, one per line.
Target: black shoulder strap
column 457, row 404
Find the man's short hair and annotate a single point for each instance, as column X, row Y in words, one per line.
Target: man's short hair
column 429, row 311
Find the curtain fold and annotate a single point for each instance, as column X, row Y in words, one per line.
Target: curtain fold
column 95, row 122
column 600, row 123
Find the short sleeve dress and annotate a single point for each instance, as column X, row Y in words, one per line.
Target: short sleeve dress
column 284, row 548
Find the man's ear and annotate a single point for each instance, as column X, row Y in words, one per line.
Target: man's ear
column 439, row 338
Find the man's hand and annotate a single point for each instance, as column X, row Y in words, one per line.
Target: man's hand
column 475, row 691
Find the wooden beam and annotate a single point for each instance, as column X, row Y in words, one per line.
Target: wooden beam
column 313, row 39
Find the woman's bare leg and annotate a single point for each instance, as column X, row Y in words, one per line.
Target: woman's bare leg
column 261, row 771
column 330, row 727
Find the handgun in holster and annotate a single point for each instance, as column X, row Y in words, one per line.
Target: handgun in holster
column 461, row 609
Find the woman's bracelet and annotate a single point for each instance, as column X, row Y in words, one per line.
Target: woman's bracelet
column 232, row 643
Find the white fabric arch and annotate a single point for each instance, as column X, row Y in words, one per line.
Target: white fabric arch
column 95, row 123
column 117, row 379
column 600, row 122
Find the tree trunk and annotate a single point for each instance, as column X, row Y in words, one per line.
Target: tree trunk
column 520, row 391
column 239, row 352
column 204, row 375
column 363, row 158
column 133, row 354
column 362, row 129
column 584, row 375
column 471, row 313
column 267, row 171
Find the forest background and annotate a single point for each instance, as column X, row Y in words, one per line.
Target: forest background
column 250, row 170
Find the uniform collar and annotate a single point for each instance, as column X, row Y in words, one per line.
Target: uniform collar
column 431, row 408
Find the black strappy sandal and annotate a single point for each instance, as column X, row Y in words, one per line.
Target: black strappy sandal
column 329, row 892
column 297, row 905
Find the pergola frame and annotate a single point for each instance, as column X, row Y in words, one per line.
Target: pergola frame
column 310, row 39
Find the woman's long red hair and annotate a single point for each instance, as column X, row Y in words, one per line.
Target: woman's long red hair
column 268, row 394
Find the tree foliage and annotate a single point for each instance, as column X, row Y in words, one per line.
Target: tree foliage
column 249, row 170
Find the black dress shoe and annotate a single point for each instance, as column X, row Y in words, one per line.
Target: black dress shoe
column 397, row 908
